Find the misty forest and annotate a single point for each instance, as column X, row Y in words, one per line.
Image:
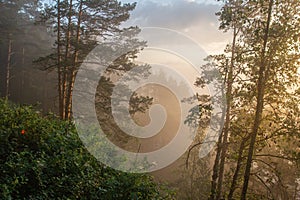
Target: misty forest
column 43, row 44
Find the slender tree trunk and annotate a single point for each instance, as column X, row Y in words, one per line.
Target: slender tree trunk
column 59, row 69
column 22, row 72
column 213, row 189
column 216, row 170
column 8, row 65
column 66, row 64
column 227, row 120
column 73, row 70
column 237, row 169
column 259, row 107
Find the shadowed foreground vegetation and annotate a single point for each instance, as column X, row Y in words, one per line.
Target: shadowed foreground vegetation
column 43, row 158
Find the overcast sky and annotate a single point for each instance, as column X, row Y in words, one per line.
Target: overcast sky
column 195, row 18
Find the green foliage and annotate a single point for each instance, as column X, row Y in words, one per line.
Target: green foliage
column 43, row 158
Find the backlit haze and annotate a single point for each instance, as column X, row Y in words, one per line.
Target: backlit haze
column 194, row 18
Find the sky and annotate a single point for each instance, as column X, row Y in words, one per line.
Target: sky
column 195, row 18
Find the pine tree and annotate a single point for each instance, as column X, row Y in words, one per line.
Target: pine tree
column 79, row 25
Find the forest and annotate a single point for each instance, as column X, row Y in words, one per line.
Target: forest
column 44, row 46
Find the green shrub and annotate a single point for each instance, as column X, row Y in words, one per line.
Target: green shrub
column 43, row 158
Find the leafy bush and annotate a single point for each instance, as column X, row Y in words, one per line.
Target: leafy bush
column 43, row 158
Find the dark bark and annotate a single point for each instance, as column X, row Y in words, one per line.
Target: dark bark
column 216, row 170
column 237, row 169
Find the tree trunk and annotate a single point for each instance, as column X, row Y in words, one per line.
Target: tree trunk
column 59, row 70
column 227, row 120
column 216, row 170
column 66, row 64
column 73, row 70
column 9, row 53
column 260, row 101
column 22, row 82
column 237, row 169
